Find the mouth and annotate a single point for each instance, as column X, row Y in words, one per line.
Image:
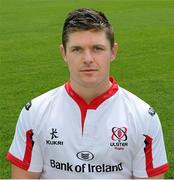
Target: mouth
column 88, row 70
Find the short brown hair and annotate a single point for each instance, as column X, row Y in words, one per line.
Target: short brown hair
column 86, row 19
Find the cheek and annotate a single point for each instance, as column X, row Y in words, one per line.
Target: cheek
column 73, row 66
column 104, row 62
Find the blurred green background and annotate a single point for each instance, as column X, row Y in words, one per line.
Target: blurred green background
column 30, row 62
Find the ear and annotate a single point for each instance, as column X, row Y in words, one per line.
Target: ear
column 114, row 51
column 63, row 52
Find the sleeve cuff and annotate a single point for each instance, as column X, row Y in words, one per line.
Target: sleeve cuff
column 152, row 172
column 19, row 163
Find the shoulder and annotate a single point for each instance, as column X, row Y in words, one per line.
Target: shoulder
column 132, row 100
column 45, row 99
column 38, row 108
column 142, row 113
column 141, row 118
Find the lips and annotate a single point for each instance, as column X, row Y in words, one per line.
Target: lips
column 88, row 70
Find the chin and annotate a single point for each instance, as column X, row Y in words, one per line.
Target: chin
column 90, row 83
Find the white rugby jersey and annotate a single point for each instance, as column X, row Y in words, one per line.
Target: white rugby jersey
column 117, row 135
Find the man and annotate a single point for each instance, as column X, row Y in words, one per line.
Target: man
column 89, row 127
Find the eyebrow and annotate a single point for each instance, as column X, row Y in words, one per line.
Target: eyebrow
column 95, row 45
column 99, row 45
column 72, row 47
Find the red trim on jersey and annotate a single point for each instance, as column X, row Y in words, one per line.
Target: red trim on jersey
column 95, row 103
column 25, row 163
column 148, row 153
column 151, row 171
column 16, row 161
column 159, row 170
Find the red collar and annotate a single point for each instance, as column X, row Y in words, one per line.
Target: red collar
column 96, row 101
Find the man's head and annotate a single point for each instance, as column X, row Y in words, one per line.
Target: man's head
column 88, row 48
column 86, row 19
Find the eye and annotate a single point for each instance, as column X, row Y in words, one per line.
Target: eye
column 76, row 49
column 97, row 49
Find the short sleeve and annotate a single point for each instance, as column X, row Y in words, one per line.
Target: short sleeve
column 150, row 159
column 25, row 150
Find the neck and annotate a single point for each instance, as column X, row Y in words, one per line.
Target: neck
column 89, row 93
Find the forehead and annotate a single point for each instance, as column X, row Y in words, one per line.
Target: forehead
column 89, row 37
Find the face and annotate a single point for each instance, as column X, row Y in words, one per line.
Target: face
column 88, row 55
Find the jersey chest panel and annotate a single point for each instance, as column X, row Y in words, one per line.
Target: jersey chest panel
column 102, row 148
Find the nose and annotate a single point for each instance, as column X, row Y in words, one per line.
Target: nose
column 88, row 57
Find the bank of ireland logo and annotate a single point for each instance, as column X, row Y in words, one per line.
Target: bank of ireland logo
column 119, row 138
column 85, row 155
